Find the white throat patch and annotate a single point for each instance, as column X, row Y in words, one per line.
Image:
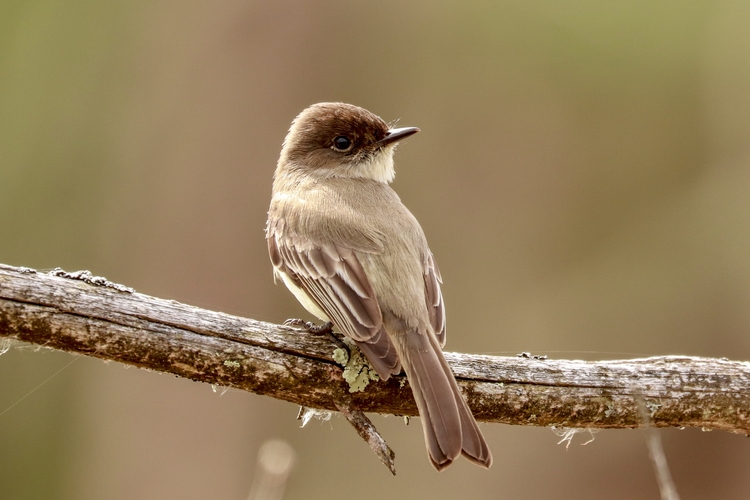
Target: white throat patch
column 378, row 168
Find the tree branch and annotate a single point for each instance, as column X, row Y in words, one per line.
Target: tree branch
column 92, row 316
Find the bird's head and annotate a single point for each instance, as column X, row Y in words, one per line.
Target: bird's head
column 341, row 140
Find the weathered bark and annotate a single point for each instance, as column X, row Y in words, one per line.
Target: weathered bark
column 94, row 317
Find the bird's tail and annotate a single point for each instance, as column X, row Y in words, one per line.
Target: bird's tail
column 449, row 427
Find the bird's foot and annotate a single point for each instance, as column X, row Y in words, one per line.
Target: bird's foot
column 324, row 329
column 310, row 327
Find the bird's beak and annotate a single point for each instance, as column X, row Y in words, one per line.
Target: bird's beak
column 396, row 134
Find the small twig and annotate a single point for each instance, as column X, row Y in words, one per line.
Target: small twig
column 367, row 431
column 656, row 452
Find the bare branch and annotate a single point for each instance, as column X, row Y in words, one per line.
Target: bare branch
column 94, row 317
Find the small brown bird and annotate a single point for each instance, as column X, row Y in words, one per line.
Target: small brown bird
column 351, row 253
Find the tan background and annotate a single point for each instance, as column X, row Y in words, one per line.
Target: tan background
column 582, row 175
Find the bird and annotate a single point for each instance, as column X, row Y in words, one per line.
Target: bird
column 352, row 254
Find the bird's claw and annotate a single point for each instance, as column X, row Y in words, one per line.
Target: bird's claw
column 310, row 327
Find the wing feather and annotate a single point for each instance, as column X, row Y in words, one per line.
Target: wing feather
column 333, row 277
column 434, row 298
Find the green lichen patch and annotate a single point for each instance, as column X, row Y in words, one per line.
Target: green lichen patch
column 358, row 372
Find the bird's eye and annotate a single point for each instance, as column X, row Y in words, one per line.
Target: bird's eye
column 342, row 143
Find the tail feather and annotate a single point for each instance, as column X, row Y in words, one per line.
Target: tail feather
column 449, row 427
column 437, row 405
column 474, row 447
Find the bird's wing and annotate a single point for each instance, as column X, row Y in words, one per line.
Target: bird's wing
column 333, row 277
column 434, row 298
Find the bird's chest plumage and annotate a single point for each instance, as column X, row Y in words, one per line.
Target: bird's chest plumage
column 369, row 218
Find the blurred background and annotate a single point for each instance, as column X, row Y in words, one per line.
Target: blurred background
column 582, row 175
